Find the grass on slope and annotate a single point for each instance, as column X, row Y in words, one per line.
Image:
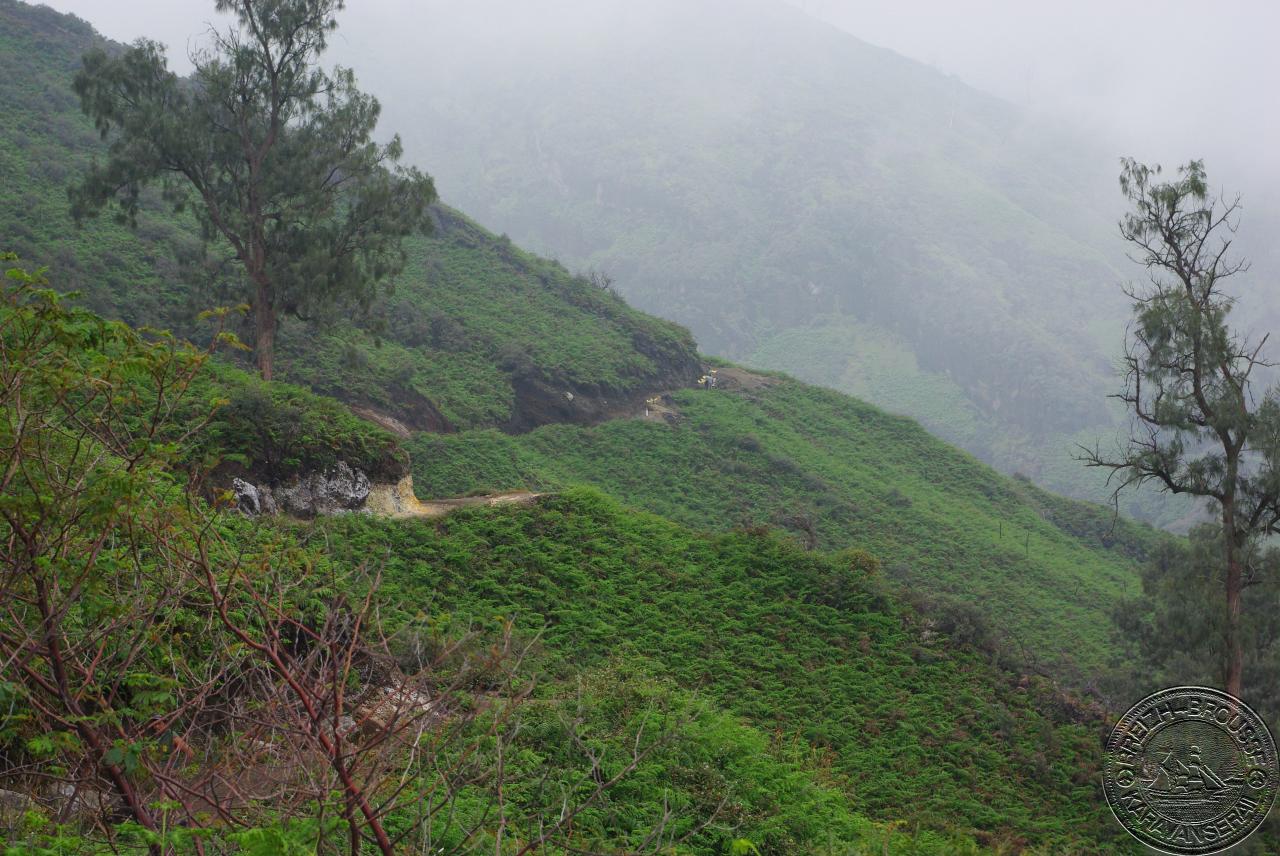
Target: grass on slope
column 471, row 317
column 45, row 142
column 875, row 365
column 1043, row 570
column 277, row 430
column 909, row 726
column 720, row 778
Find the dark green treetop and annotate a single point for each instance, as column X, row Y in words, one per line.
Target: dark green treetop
column 276, row 152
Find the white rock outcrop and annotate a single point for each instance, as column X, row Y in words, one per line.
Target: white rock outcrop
column 338, row 490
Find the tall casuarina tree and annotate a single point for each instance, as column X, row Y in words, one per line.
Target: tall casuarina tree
column 1198, row 425
column 274, row 154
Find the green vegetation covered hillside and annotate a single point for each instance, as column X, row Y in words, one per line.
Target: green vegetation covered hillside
column 905, row 721
column 1044, row 572
column 482, row 334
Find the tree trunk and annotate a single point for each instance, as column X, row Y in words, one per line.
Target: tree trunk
column 1234, row 655
column 264, row 315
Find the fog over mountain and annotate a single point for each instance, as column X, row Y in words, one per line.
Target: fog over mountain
column 911, row 202
column 1160, row 82
column 1163, row 81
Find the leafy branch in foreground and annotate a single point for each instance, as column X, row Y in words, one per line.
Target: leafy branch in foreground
column 1197, row 426
column 83, row 462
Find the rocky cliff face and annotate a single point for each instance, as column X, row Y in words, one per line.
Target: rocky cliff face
column 337, row 490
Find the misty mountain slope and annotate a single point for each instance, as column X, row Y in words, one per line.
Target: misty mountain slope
column 751, row 172
column 477, row 332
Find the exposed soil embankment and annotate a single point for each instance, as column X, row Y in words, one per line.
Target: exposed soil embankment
column 398, row 500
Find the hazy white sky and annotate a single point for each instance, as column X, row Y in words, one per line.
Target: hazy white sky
column 1161, row 79
column 1169, row 79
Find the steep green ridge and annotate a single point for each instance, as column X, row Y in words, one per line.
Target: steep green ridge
column 477, row 333
column 758, row 175
column 1044, row 570
column 907, row 724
